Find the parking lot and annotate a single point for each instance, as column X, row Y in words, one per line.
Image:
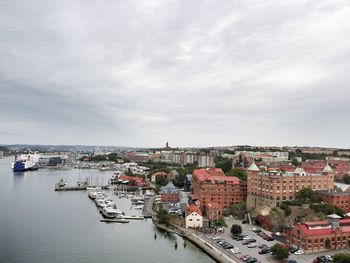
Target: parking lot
column 253, row 252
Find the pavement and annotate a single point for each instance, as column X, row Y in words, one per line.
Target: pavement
column 253, row 252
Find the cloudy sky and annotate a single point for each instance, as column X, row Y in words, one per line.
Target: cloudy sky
column 194, row 73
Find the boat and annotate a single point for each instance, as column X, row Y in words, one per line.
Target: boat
column 110, row 212
column 139, row 207
column 26, row 162
column 92, row 195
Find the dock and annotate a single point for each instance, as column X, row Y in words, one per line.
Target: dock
column 122, row 221
column 131, row 217
column 77, row 188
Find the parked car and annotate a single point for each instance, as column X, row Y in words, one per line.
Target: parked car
column 264, row 251
column 251, row 260
column 263, row 246
column 292, row 261
column 238, row 238
column 293, row 249
column 277, row 234
column 252, row 245
column 235, row 250
column 245, row 257
column 299, row 252
column 244, row 222
column 247, row 237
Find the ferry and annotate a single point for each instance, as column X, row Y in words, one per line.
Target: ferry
column 26, row 162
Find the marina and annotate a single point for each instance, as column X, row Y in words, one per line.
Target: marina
column 72, row 224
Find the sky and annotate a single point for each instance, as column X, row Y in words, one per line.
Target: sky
column 193, row 73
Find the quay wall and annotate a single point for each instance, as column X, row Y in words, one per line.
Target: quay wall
column 212, row 251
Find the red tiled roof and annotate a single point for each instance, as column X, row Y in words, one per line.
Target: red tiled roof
column 317, row 223
column 315, row 232
column 214, row 174
column 193, row 208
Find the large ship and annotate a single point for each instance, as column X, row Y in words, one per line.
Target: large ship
column 26, row 162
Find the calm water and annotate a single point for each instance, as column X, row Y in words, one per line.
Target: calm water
column 38, row 224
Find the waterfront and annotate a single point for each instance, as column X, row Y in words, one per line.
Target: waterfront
column 38, row 224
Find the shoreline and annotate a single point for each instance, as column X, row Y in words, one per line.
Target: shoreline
column 209, row 249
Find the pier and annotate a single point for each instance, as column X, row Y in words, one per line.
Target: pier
column 58, row 187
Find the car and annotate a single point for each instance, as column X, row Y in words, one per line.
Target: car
column 263, row 246
column 251, row 260
column 252, row 245
column 299, row 252
column 277, row 234
column 238, row 238
column 244, row 222
column 292, row 261
column 329, row 257
column 245, row 257
column 228, row 246
column 235, row 250
column 293, row 249
column 264, row 251
column 269, row 238
column 246, row 242
column 256, row 230
column 247, row 237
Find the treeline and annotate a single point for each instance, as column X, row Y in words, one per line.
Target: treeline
column 113, row 157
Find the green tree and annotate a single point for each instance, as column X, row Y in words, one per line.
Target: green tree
column 163, row 217
column 223, row 163
column 280, row 251
column 238, row 209
column 238, row 173
column 161, row 180
column 341, row 258
column 307, row 195
column 295, row 162
column 346, row 179
column 236, row 230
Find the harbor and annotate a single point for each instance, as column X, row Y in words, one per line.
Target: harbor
column 71, row 223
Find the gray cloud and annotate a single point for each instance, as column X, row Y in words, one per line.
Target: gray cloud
column 195, row 73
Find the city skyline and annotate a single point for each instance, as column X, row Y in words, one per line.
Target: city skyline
column 195, row 74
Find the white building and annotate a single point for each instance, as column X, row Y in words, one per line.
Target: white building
column 193, row 217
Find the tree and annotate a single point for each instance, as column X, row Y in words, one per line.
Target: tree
column 307, row 195
column 295, row 162
column 161, row 180
column 280, row 251
column 238, row 209
column 163, row 217
column 236, row 230
column 341, row 258
column 223, row 163
column 346, row 179
column 238, row 173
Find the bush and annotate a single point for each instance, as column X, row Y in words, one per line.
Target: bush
column 341, row 258
column 286, row 209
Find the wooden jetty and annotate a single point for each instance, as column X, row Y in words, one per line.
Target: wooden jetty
column 106, row 220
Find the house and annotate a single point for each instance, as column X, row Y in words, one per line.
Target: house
column 155, row 175
column 169, row 193
column 193, row 217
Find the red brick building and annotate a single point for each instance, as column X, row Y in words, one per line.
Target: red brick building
column 321, row 236
column 339, row 199
column 273, row 187
column 212, row 186
column 169, row 193
column 214, row 211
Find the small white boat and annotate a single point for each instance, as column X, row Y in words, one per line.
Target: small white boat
column 110, row 212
